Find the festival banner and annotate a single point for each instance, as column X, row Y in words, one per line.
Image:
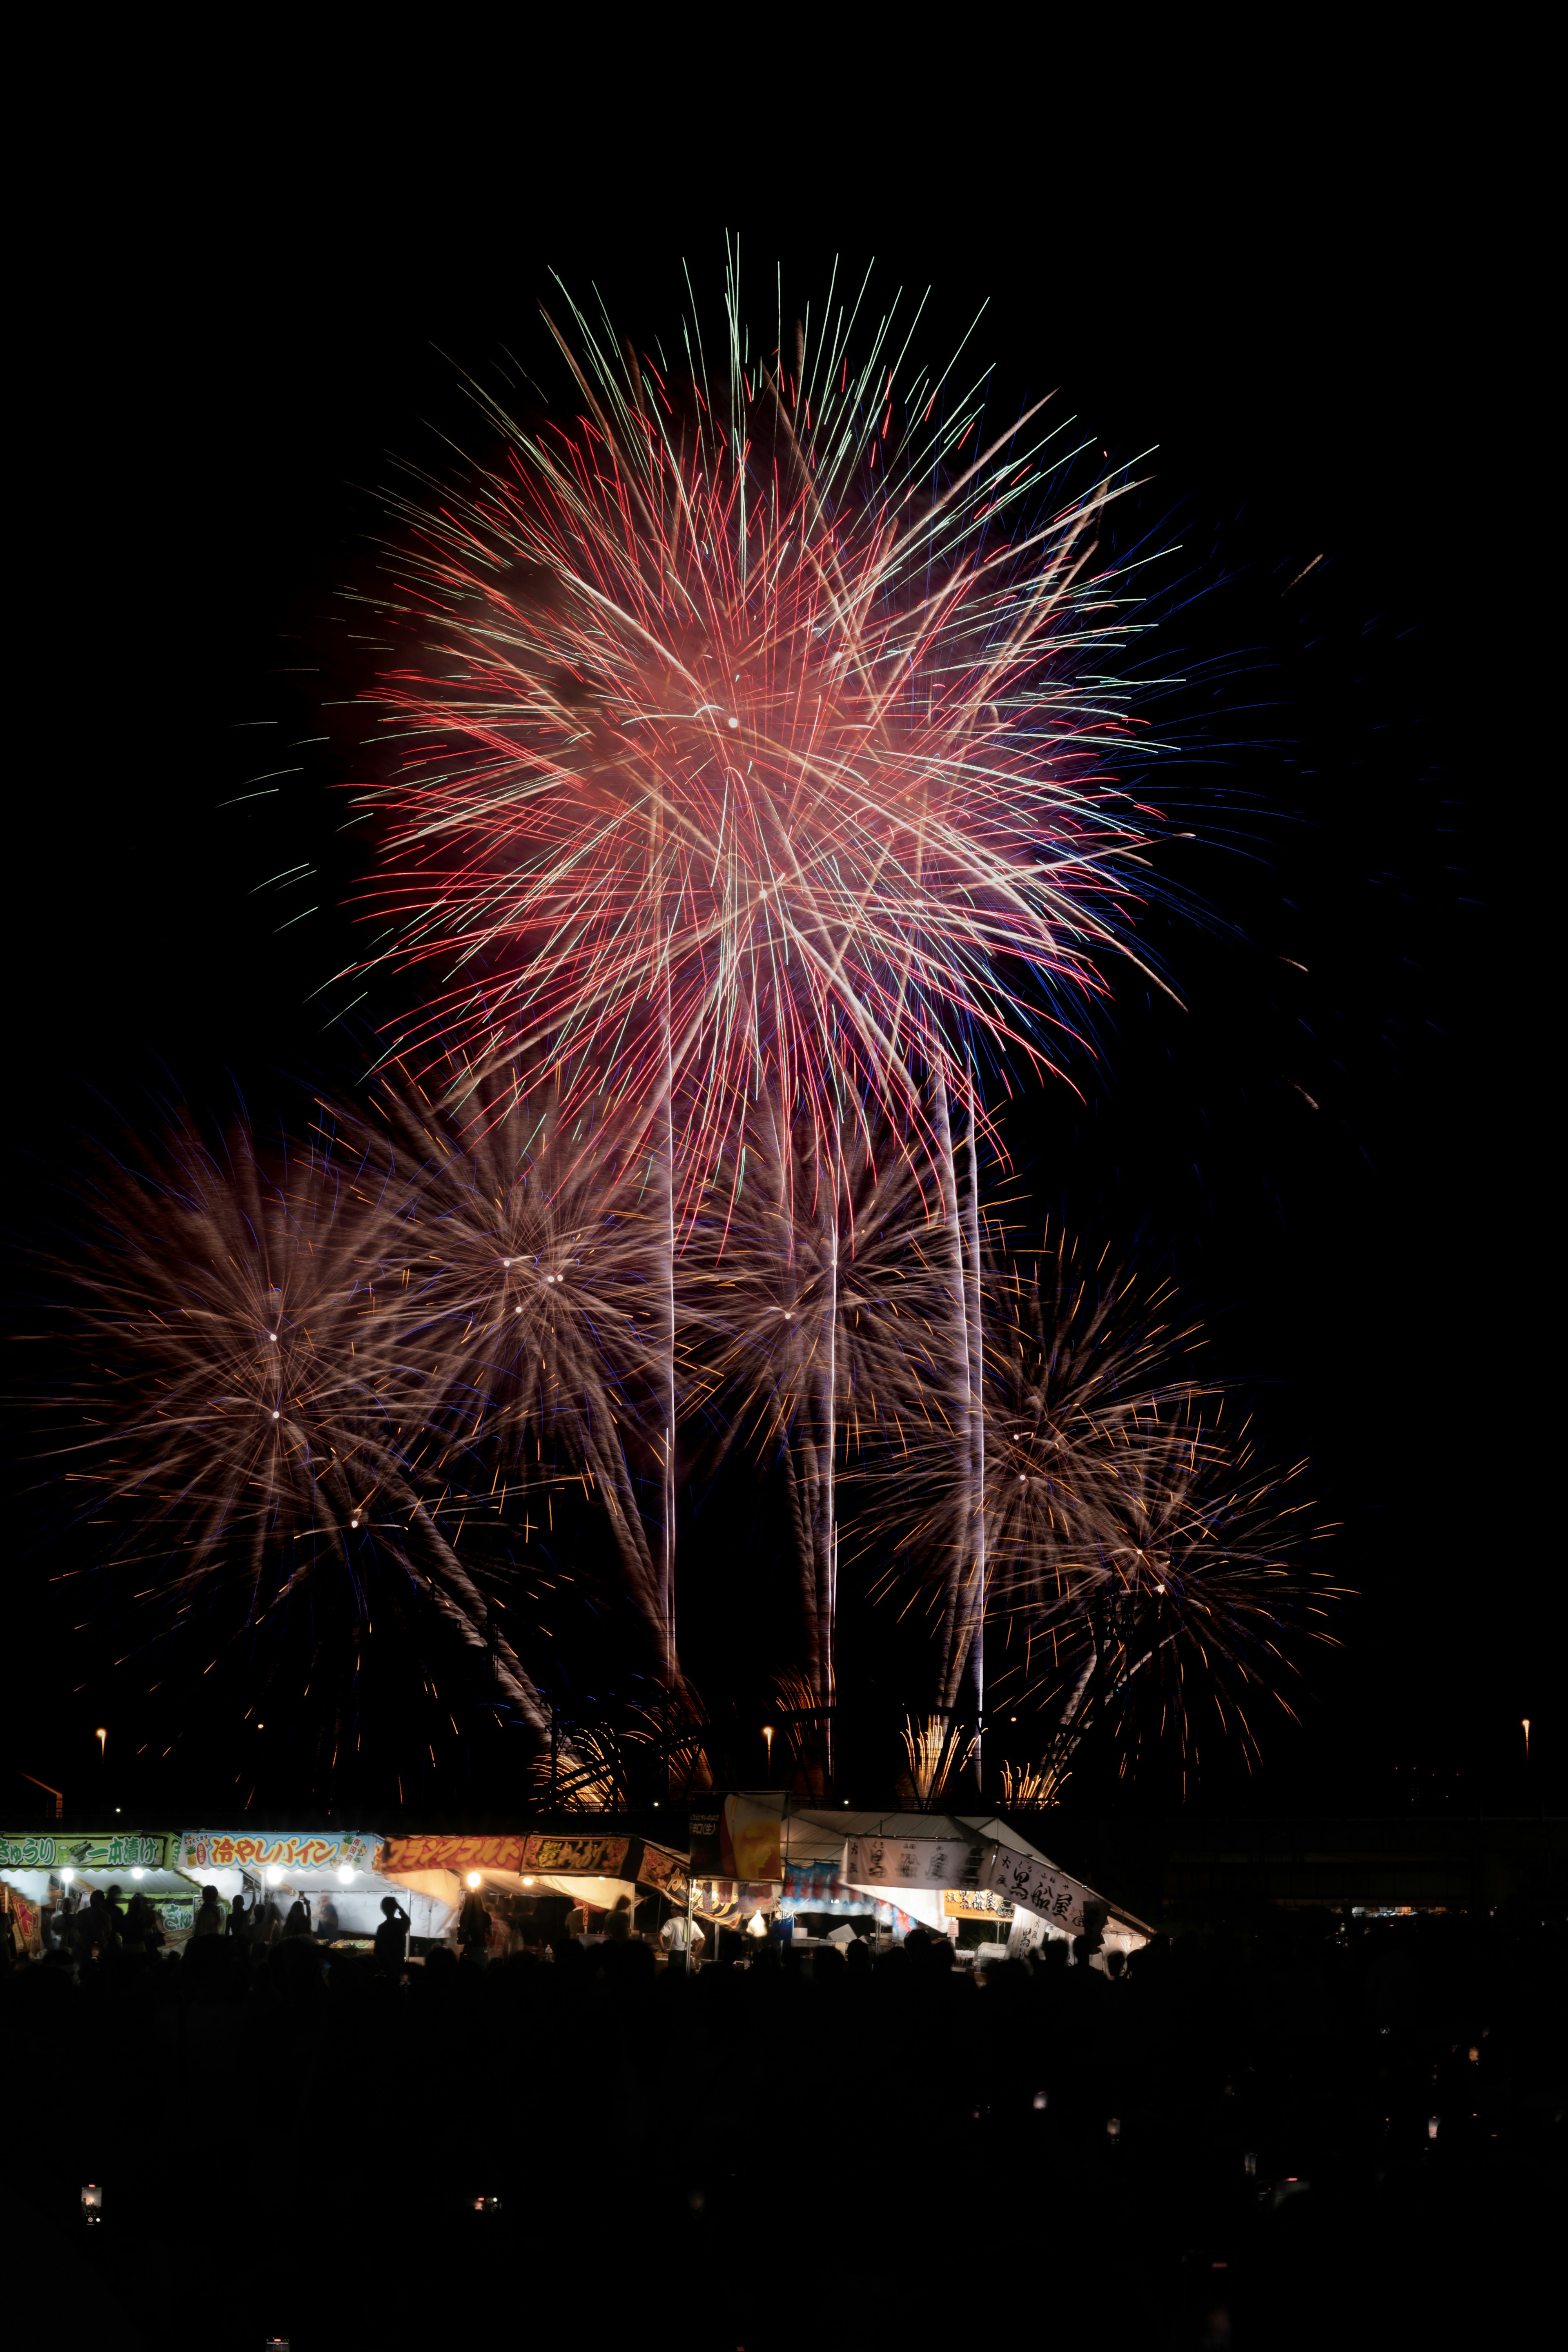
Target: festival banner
column 573, row 1857
column 879, row 1862
column 735, row 1838
column 664, row 1872
column 1038, row 1885
column 459, row 1854
column 100, row 1850
column 252, row 1850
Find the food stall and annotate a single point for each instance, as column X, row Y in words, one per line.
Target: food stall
column 333, row 1872
column 594, row 1870
column 817, row 1868
column 48, row 1871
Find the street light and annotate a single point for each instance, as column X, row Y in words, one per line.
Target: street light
column 102, row 1736
column 768, row 1735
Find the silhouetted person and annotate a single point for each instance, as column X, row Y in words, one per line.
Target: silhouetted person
column 298, row 1923
column 392, row 1936
column 209, row 1918
column 474, row 1926
column 95, row 1926
column 328, row 1924
column 239, row 1922
column 618, row 1921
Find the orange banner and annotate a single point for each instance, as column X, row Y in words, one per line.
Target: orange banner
column 575, row 1857
column 452, row 1853
column 594, row 1856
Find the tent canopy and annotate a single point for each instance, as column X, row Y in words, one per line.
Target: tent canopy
column 814, row 1834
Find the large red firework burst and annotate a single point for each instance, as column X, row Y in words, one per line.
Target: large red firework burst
column 755, row 736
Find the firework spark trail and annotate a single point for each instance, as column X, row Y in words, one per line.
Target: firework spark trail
column 520, row 1248
column 248, row 1413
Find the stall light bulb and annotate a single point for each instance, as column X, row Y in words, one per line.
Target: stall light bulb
column 475, row 1881
column 137, row 1872
column 344, row 1873
column 274, row 1875
column 67, row 1876
column 528, row 1882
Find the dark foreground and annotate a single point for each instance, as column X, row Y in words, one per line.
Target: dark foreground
column 768, row 2157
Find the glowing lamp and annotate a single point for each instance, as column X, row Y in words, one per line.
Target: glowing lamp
column 137, row 1872
column 92, row 2203
column 1113, row 2128
column 528, row 1882
column 66, row 1875
column 345, row 1873
column 474, row 1880
column 1040, row 2102
column 274, row 1875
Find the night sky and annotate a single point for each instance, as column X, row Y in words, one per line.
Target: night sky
column 1327, row 352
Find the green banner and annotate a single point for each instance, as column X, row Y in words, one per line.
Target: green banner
column 111, row 1850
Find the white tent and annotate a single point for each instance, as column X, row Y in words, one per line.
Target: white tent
column 944, row 1851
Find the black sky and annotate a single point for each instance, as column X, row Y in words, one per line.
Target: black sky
column 1323, row 329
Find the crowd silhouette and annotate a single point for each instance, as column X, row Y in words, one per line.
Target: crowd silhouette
column 1312, row 2130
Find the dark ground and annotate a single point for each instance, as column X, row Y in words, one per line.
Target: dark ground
column 762, row 2156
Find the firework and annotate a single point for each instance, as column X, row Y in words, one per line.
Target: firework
column 522, row 1254
column 754, row 734
column 1135, row 1563
column 243, row 1411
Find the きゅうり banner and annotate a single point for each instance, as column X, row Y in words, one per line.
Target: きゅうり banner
column 102, row 1850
